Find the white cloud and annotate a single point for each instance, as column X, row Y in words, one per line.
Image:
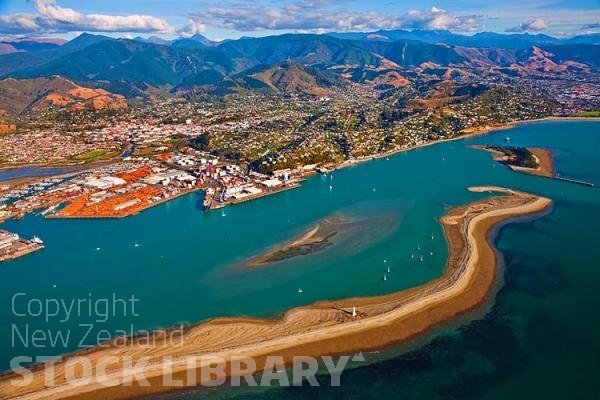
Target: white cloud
column 313, row 16
column 534, row 25
column 52, row 18
column 193, row 27
column 52, row 11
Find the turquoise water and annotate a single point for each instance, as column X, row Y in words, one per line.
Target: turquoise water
column 539, row 337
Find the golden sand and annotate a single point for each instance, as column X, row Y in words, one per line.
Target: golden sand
column 324, row 328
column 543, row 158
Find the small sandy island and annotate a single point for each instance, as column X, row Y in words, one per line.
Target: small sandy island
column 323, row 328
column 534, row 161
column 316, row 239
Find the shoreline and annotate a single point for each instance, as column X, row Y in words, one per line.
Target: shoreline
column 327, row 327
column 127, row 214
column 543, row 158
column 478, row 131
column 482, row 130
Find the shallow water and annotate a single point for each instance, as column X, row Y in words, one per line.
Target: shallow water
column 539, row 338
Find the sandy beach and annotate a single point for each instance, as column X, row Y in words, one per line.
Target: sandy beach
column 545, row 162
column 323, row 328
column 543, row 158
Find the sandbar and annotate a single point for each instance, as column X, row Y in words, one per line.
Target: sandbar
column 328, row 327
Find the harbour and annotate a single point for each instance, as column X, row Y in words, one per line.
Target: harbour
column 195, row 256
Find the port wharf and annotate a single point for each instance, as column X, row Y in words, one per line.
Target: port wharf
column 12, row 246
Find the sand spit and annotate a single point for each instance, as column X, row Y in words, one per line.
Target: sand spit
column 323, row 328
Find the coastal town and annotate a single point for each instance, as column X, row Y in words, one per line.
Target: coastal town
column 119, row 163
column 299, row 199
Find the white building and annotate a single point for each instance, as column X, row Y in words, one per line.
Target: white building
column 103, row 183
column 271, row 183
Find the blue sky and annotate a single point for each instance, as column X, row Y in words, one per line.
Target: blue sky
column 235, row 18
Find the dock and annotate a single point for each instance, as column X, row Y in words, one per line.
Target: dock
column 575, row 181
column 12, row 246
column 216, row 204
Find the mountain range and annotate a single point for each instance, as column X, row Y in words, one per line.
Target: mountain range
column 293, row 63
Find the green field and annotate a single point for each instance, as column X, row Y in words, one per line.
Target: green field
column 588, row 114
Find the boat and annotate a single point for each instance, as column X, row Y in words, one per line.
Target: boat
column 421, row 258
column 49, row 209
column 299, row 290
column 507, row 139
column 385, row 277
column 37, row 240
column 388, row 270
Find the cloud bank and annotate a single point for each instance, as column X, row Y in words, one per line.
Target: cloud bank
column 52, row 18
column 312, row 16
